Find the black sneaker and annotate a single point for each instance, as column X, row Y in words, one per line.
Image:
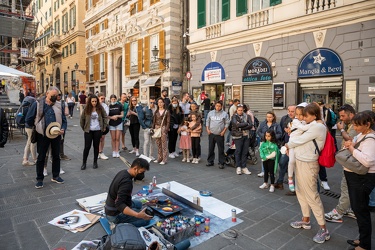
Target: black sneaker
column 39, row 184
column 57, row 180
column 221, row 166
column 209, row 164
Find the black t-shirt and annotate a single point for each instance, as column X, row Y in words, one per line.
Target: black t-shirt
column 119, row 193
column 207, row 104
column 115, row 109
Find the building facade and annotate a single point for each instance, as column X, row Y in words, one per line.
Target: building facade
column 135, row 46
column 60, row 45
column 273, row 53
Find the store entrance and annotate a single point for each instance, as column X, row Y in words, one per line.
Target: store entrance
column 215, row 91
column 329, row 96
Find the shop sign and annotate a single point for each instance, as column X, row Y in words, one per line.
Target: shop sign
column 320, row 62
column 278, row 95
column 213, row 72
column 256, row 70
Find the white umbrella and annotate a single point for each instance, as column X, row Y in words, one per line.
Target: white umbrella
column 7, row 74
column 4, row 69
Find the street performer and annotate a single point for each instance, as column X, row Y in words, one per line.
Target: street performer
column 119, row 206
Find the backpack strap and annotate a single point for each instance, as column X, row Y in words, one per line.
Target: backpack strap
column 316, row 146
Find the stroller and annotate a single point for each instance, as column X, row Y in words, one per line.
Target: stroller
column 230, row 159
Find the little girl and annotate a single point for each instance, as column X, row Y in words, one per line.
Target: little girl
column 297, row 128
column 185, row 140
column 195, row 133
column 269, row 152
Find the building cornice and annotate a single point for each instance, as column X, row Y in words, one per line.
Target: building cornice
column 102, row 11
column 346, row 15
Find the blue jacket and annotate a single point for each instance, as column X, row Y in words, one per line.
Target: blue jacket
column 145, row 116
column 263, row 127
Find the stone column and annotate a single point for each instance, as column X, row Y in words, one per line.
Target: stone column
column 110, row 74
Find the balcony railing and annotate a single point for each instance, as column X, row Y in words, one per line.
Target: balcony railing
column 258, row 19
column 213, row 31
column 54, row 41
column 39, row 51
column 313, row 6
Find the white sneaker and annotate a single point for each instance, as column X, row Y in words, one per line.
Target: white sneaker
column 245, row 171
column 45, row 172
column 156, row 161
column 171, row 155
column 162, row 163
column 103, row 156
column 62, row 171
column 184, row 159
column 176, row 154
column 132, row 151
column 152, row 158
column 197, row 160
column 261, row 174
column 137, row 153
column 325, row 186
column 194, row 160
column 272, row 189
column 114, row 154
column 117, row 154
column 263, row 186
column 188, row 160
column 238, row 171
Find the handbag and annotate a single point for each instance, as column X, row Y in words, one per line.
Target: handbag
column 346, row 158
column 34, row 133
column 127, row 122
column 157, row 131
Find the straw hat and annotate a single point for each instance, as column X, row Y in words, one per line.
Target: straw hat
column 53, row 130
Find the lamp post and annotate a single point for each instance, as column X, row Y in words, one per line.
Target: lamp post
column 155, row 53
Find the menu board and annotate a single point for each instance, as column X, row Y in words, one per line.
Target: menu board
column 278, row 95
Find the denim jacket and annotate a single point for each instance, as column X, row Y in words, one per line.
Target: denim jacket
column 145, row 116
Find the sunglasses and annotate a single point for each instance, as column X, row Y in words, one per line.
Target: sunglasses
column 239, row 105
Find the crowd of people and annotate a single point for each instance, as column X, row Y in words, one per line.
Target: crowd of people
column 177, row 124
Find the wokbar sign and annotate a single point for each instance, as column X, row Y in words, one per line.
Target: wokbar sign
column 320, row 62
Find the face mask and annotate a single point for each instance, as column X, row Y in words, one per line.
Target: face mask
column 139, row 177
column 53, row 98
column 113, row 103
column 174, row 105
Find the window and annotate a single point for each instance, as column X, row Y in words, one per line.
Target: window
column 259, row 5
column 89, row 4
column 65, row 77
column 45, row 15
column 241, row 8
column 201, row 13
column 102, row 66
column 73, row 76
column 225, row 10
column 50, row 11
column 57, row 27
column 91, row 68
column 72, row 20
column 73, row 48
column 46, row 60
column 65, row 23
column 134, row 54
column 65, row 52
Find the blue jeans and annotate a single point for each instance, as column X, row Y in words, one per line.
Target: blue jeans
column 242, row 148
column 283, row 167
column 123, row 218
column 205, row 113
column 372, row 198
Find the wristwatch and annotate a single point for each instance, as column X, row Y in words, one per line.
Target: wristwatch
column 342, row 130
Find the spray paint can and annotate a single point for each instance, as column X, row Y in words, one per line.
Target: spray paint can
column 169, row 186
column 154, row 181
column 150, row 187
column 207, row 225
column 234, row 219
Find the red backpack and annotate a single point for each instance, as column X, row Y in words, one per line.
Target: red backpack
column 327, row 155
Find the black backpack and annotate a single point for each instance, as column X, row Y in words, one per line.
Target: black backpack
column 23, row 109
column 125, row 236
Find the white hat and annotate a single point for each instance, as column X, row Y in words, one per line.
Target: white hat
column 53, row 130
column 303, row 104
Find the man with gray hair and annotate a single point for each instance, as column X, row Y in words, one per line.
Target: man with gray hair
column 49, row 119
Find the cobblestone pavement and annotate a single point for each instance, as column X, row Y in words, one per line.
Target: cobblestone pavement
column 25, row 211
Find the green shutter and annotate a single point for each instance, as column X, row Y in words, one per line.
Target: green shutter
column 225, row 14
column 275, row 2
column 201, row 13
column 241, row 7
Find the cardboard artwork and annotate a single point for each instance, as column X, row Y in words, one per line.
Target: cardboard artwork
column 93, row 204
column 75, row 221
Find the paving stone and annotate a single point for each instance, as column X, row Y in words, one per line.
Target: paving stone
column 9, row 241
column 261, row 228
column 6, row 226
column 300, row 242
column 274, row 239
column 29, row 236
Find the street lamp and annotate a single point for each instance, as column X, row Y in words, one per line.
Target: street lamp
column 164, row 61
column 76, row 66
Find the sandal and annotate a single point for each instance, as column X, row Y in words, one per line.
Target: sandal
column 124, row 148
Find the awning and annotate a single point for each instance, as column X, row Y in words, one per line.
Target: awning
column 151, row 81
column 131, row 83
column 6, row 71
column 321, row 83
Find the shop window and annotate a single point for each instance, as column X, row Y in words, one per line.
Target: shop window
column 351, row 93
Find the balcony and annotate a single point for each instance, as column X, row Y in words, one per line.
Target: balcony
column 259, row 19
column 39, row 51
column 213, row 31
column 313, row 6
column 54, row 41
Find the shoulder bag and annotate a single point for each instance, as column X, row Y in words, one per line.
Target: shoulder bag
column 34, row 133
column 346, row 158
column 157, row 131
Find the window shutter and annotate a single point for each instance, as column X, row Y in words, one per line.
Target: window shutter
column 201, row 13
column 105, row 65
column 275, row 2
column 241, row 7
column 161, row 48
column 146, row 59
column 96, row 67
column 87, row 70
column 97, row 28
column 140, row 6
column 87, row 34
column 127, row 59
column 106, row 23
column 140, row 52
column 225, row 14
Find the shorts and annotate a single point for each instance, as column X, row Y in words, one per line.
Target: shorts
column 118, row 127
